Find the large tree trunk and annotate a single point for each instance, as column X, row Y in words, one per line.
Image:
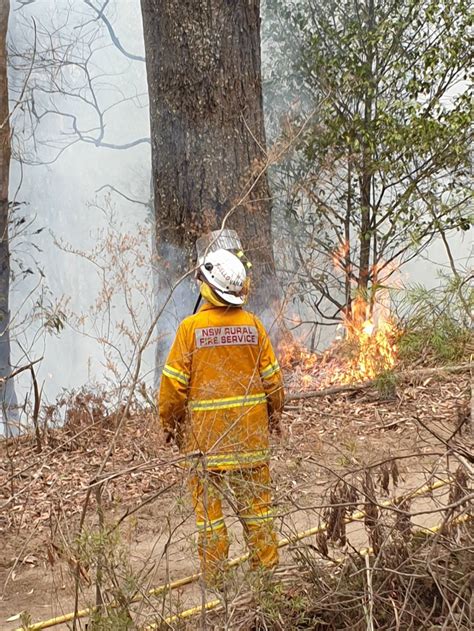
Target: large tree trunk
column 8, row 403
column 208, row 138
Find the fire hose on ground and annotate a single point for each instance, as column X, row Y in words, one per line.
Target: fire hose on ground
column 193, row 578
column 214, row 604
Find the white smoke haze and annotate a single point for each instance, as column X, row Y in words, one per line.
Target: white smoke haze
column 74, row 186
column 61, row 196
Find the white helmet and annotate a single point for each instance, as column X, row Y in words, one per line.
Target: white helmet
column 225, row 274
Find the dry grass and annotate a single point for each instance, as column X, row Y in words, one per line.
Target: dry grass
column 340, row 453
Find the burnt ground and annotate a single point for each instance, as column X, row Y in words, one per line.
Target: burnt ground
column 326, row 440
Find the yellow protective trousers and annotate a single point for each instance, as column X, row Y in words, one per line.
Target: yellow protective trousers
column 248, row 493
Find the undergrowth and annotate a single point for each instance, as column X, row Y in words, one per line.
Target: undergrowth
column 409, row 579
column 436, row 323
column 386, row 384
column 419, row 584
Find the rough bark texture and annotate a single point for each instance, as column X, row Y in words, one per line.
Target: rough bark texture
column 7, row 392
column 208, row 138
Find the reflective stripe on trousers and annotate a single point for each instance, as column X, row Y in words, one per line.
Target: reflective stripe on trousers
column 249, row 491
column 234, row 460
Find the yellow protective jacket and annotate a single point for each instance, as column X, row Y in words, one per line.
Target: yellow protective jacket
column 221, row 387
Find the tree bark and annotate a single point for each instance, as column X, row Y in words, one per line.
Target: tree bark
column 208, row 138
column 8, row 401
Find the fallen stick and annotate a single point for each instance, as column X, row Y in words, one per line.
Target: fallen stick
column 327, row 392
column 426, row 372
column 390, row 425
column 354, row 387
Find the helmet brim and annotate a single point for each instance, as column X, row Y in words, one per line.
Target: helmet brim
column 232, row 299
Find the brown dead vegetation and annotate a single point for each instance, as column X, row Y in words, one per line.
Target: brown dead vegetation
column 350, row 450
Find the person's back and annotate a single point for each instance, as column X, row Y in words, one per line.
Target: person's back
column 232, row 378
column 221, row 392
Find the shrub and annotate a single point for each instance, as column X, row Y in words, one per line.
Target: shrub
column 435, row 323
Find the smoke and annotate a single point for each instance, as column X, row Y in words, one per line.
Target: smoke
column 56, row 177
column 176, row 297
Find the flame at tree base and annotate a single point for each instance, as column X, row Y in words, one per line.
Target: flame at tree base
column 374, row 340
column 368, row 349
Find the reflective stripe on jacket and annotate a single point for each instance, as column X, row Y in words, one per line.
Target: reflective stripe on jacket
column 220, row 387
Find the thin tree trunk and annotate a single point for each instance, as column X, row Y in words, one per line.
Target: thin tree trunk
column 366, row 176
column 8, row 401
column 364, row 240
column 208, row 139
column 347, row 237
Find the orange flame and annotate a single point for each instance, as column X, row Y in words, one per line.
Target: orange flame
column 365, row 344
column 373, row 339
column 295, row 354
column 339, row 256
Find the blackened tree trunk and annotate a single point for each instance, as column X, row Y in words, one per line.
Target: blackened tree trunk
column 208, row 137
column 8, row 409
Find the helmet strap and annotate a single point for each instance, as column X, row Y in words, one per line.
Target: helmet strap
column 211, row 296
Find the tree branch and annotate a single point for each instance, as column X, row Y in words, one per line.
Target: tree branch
column 113, row 36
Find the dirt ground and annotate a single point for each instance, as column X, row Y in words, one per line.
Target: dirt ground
column 325, row 440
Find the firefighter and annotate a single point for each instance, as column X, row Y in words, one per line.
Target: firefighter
column 221, row 395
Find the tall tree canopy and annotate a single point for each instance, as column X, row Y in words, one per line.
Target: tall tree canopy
column 384, row 166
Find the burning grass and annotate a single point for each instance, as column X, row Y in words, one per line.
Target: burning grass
column 368, row 349
column 372, row 342
column 385, row 326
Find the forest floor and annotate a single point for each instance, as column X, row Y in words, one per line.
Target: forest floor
column 326, row 439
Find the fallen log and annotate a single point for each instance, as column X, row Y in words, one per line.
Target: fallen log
column 354, row 387
column 327, row 392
